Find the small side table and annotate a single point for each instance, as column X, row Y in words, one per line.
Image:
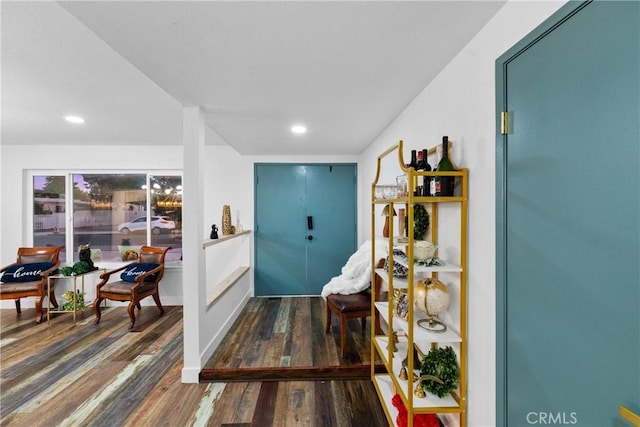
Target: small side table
column 73, row 277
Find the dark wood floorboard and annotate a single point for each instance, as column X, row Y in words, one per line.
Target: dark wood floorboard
column 284, row 338
column 61, row 374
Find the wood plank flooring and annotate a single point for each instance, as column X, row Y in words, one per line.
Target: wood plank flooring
column 61, row 374
column 284, row 338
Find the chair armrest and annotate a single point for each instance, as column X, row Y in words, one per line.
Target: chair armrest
column 106, row 275
column 51, row 270
column 140, row 278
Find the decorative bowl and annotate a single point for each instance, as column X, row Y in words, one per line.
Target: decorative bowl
column 423, row 250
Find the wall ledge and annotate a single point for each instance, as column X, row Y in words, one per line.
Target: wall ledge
column 218, row 290
column 211, row 242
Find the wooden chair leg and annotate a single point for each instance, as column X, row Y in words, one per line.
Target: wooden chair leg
column 327, row 327
column 18, row 309
column 343, row 336
column 376, row 322
column 96, row 309
column 132, row 313
column 156, row 298
column 39, row 310
column 52, row 299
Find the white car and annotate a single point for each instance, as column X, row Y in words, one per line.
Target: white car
column 158, row 225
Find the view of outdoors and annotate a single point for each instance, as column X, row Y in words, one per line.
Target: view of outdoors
column 109, row 213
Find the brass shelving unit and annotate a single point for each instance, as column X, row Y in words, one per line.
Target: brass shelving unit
column 407, row 335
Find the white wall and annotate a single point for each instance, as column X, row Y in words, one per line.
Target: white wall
column 460, row 103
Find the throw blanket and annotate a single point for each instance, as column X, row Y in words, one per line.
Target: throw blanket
column 356, row 273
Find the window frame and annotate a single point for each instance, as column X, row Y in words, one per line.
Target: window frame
column 69, row 204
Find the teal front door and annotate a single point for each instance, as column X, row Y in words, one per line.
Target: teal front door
column 305, row 226
column 568, row 251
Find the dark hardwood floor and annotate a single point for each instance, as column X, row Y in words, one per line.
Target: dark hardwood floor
column 284, row 338
column 61, row 374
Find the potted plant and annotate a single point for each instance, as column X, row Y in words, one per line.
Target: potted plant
column 69, row 297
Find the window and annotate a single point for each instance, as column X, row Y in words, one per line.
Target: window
column 49, row 204
column 113, row 213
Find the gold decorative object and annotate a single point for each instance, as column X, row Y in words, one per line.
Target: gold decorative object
column 403, row 373
column 226, row 220
column 431, row 296
column 401, row 303
column 394, row 341
column 419, row 391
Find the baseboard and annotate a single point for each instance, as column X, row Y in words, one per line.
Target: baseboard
column 219, row 336
column 190, row 375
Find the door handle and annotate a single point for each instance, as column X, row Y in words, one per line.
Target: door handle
column 630, row 416
column 309, row 223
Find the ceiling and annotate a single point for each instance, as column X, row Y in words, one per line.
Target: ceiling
column 345, row 69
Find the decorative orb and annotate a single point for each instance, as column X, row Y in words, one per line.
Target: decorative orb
column 431, row 296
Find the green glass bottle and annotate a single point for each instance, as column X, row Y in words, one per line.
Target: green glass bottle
column 444, row 184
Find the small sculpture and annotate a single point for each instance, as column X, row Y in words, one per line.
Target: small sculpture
column 85, row 255
column 214, row 232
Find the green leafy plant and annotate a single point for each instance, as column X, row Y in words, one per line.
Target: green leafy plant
column 420, row 222
column 79, row 267
column 441, row 363
column 69, row 296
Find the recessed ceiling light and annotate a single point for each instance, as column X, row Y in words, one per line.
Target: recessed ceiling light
column 298, row 129
column 74, row 119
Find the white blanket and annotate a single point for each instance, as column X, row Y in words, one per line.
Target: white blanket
column 356, row 273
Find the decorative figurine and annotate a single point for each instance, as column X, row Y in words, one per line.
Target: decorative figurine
column 214, row 232
column 85, row 255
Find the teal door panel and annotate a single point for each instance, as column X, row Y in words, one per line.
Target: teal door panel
column 569, row 245
column 280, row 237
column 332, row 193
column 291, row 258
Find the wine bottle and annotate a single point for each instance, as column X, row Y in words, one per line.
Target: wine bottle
column 433, row 191
column 426, row 180
column 420, row 167
column 414, row 162
column 444, row 184
column 414, row 165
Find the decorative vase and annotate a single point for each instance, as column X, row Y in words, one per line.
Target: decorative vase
column 226, row 220
column 386, row 212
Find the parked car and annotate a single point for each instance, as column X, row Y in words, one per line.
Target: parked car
column 159, row 224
